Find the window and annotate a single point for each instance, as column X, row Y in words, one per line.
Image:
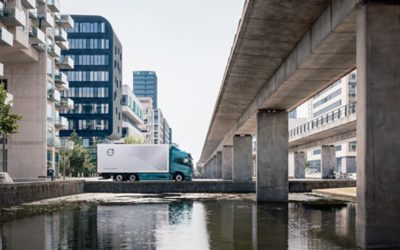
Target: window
column 92, row 76
column 89, row 43
column 49, row 66
column 317, row 152
column 338, row 148
column 97, row 60
column 49, row 113
column 89, row 27
column 328, row 108
column 353, row 146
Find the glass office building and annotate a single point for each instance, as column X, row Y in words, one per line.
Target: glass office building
column 96, row 80
column 145, row 85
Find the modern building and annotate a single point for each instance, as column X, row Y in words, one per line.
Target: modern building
column 145, row 85
column 95, row 82
column 32, row 34
column 162, row 131
column 132, row 114
column 147, row 127
column 339, row 95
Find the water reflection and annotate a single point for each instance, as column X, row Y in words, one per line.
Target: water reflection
column 185, row 225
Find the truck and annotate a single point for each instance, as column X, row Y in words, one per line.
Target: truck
column 134, row 162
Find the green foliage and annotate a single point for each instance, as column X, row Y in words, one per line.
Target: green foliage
column 78, row 158
column 133, row 140
column 8, row 120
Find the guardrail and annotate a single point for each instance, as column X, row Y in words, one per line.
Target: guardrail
column 337, row 114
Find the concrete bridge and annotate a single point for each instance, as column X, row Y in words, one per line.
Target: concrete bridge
column 285, row 52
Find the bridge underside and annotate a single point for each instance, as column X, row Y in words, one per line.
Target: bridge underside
column 284, row 52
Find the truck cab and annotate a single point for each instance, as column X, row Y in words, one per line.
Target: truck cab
column 181, row 167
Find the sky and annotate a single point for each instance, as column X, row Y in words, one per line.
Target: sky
column 187, row 43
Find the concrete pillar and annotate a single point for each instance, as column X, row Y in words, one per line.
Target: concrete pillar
column 328, row 161
column 227, row 158
column 218, row 160
column 242, row 158
column 272, row 156
column 378, row 123
column 300, row 165
column 214, row 174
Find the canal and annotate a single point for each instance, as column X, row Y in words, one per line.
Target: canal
column 179, row 223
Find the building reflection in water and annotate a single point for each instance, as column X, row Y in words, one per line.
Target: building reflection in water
column 185, row 225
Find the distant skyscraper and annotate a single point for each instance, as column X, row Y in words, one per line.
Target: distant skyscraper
column 145, row 85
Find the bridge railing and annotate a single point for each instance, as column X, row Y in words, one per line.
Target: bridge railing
column 337, row 114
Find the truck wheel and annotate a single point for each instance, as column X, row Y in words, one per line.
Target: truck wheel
column 118, row 177
column 178, row 177
column 132, row 177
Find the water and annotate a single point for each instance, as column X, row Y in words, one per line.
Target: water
column 193, row 225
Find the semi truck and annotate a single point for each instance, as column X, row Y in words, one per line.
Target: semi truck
column 134, row 162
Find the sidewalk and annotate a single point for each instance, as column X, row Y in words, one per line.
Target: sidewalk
column 349, row 194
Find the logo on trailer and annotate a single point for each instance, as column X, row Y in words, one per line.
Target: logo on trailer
column 110, row 152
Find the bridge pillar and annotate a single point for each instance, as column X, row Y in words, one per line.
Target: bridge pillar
column 300, row 165
column 378, row 123
column 214, row 167
column 328, row 161
column 227, row 157
column 272, row 156
column 218, row 160
column 242, row 158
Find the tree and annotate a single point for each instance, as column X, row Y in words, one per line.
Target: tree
column 79, row 158
column 8, row 121
column 133, row 140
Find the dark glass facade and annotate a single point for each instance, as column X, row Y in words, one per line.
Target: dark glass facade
column 96, row 80
column 145, row 85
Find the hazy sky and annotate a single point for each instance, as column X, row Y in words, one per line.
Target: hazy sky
column 187, row 42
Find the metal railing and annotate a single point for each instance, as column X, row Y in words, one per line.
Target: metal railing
column 337, row 114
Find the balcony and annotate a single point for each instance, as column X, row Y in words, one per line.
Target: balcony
column 54, row 5
column 53, row 95
column 61, row 123
column 61, row 78
column 66, row 22
column 46, row 20
column 65, row 62
column 60, row 35
column 29, row 4
column 36, row 36
column 21, row 38
column 6, row 38
column 53, row 50
column 63, row 45
column 13, row 17
column 66, row 103
column 57, row 142
column 50, row 141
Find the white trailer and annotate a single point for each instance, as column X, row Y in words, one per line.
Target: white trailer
column 132, row 158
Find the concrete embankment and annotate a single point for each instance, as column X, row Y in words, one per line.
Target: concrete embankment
column 307, row 185
column 169, row 187
column 18, row 193
column 295, row 186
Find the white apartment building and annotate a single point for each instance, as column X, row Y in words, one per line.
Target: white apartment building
column 147, row 127
column 338, row 95
column 132, row 114
column 32, row 35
